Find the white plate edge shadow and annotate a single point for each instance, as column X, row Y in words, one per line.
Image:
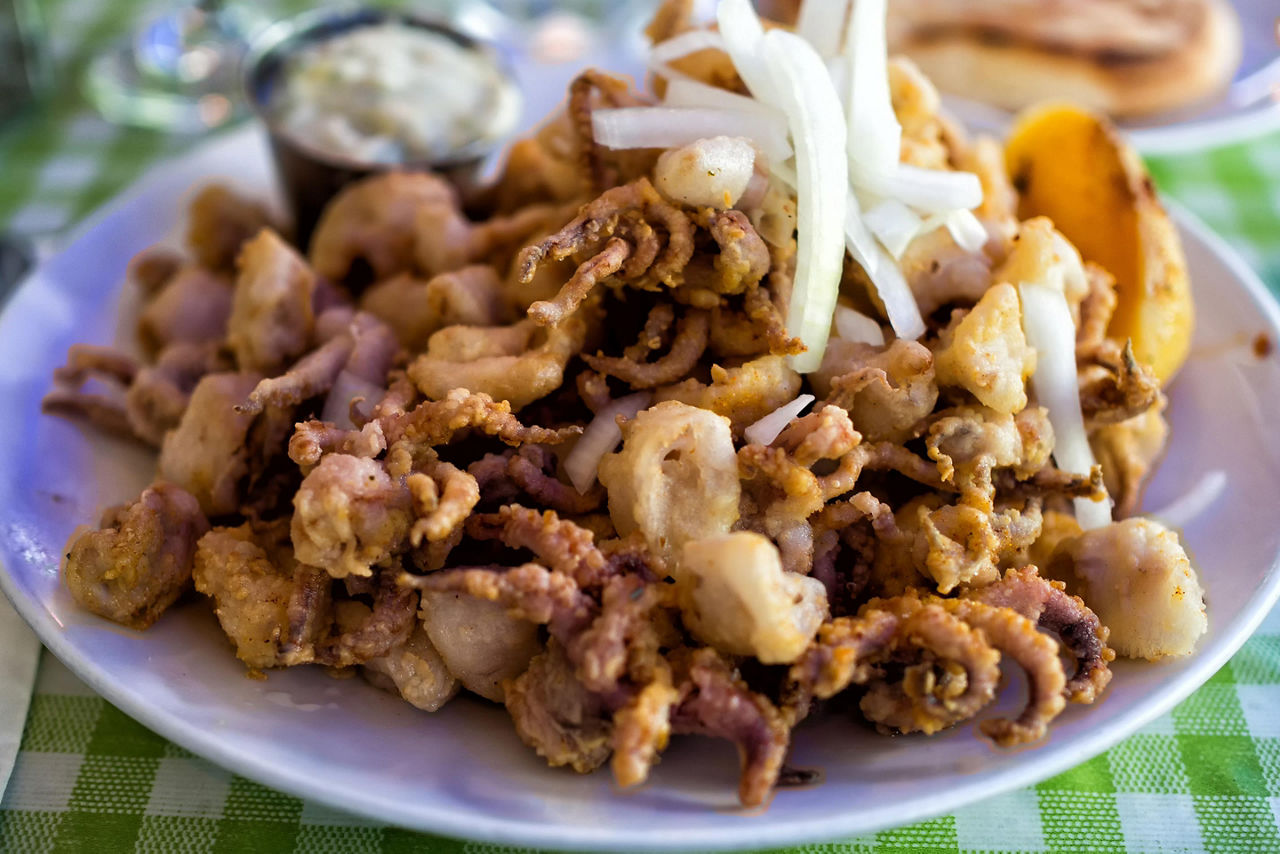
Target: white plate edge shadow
column 497, row 829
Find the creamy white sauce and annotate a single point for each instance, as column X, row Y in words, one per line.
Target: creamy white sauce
column 393, row 93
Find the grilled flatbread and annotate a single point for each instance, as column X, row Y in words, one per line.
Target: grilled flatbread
column 1123, row 57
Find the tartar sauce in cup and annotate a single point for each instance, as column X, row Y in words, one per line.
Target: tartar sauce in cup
column 345, row 94
column 393, row 93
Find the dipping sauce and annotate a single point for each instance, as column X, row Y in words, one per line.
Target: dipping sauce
column 392, row 93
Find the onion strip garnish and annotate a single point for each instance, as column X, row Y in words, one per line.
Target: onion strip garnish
column 890, row 285
column 1046, row 320
column 743, row 35
column 894, row 224
column 808, row 93
column 927, row 190
column 808, row 99
column 874, row 133
column 682, row 92
column 668, row 127
column 821, row 24
column 601, row 437
column 764, row 431
column 967, row 230
column 853, row 325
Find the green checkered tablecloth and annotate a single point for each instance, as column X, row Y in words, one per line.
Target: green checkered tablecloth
column 1204, row 778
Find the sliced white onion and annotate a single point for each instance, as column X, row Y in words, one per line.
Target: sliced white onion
column 894, row 224
column 743, row 35
column 1046, row 320
column 853, row 325
column 967, row 230
column 668, row 127
column 874, row 134
column 757, row 188
column 684, row 44
column 891, row 286
column 838, row 70
column 821, row 23
column 684, row 92
column 346, row 388
column 926, row 190
column 786, row 174
column 808, row 99
column 601, row 437
column 1185, row 509
column 764, row 431
column 859, row 239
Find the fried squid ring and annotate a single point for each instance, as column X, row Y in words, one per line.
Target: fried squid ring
column 519, row 363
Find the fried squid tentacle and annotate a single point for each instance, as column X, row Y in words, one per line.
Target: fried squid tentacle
column 444, row 497
column 532, row 470
column 560, row 544
column 531, row 592
column 950, row 673
column 687, row 348
column 436, row 422
column 1047, row 604
column 388, row 624
column 1037, row 654
column 841, row 656
column 718, row 703
column 591, row 273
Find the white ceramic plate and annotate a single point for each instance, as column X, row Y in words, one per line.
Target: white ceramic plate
column 1248, row 108
column 463, row 772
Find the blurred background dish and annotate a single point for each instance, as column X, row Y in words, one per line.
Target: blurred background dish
column 1176, row 74
column 177, row 71
column 1126, row 58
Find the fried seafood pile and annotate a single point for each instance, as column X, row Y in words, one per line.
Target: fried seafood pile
column 399, row 454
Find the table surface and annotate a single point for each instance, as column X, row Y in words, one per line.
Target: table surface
column 1204, row 778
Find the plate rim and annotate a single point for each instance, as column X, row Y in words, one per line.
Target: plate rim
column 500, row 830
column 1206, row 134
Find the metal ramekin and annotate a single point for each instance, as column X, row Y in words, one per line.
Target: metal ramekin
column 311, row 177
